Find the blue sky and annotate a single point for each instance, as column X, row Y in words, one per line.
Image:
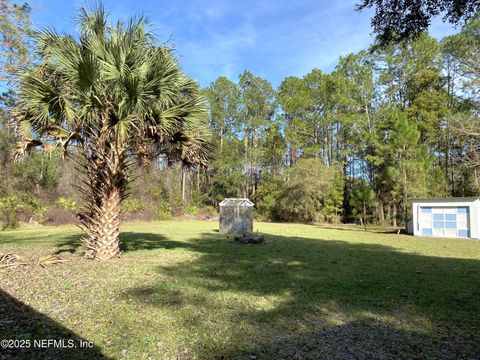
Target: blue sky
column 271, row 38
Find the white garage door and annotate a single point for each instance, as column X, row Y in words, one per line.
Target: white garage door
column 444, row 221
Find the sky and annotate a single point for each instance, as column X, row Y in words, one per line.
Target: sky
column 272, row 38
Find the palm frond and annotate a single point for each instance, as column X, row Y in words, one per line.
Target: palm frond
column 23, row 148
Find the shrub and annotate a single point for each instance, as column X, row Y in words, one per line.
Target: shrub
column 60, row 216
column 362, row 201
column 132, row 206
column 303, row 195
column 197, row 198
column 191, row 210
column 164, row 211
column 208, row 210
column 37, row 209
column 266, row 197
column 301, row 203
column 67, row 204
column 161, row 195
column 10, row 206
column 333, row 203
column 177, row 206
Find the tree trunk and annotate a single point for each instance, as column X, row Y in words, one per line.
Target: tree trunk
column 184, row 176
column 293, row 155
column 107, row 177
column 329, row 146
column 255, row 175
column 394, row 215
column 221, row 139
column 107, row 245
column 369, row 123
column 365, row 216
column 405, row 196
column 245, row 165
column 381, row 212
column 389, row 214
column 198, row 180
column 337, row 142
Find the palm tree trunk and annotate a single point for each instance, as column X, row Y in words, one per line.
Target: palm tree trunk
column 107, row 245
column 90, row 237
column 107, row 180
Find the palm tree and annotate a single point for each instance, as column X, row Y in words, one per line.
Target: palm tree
column 110, row 99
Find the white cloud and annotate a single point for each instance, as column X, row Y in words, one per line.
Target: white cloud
column 272, row 38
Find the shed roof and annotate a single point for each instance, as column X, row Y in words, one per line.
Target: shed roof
column 236, row 202
column 451, row 199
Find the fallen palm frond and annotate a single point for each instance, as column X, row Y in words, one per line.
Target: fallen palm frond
column 48, row 260
column 13, row 260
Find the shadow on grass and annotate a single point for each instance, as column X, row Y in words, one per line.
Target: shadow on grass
column 71, row 243
column 378, row 293
column 132, row 241
column 129, row 241
column 20, row 323
column 360, row 339
column 371, row 229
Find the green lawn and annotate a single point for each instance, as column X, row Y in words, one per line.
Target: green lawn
column 183, row 291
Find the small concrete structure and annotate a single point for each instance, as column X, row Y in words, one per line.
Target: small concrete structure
column 450, row 217
column 236, row 216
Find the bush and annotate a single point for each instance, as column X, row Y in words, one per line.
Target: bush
column 60, row 216
column 37, row 209
column 302, row 197
column 132, row 206
column 208, row 211
column 164, row 211
column 363, row 201
column 333, row 203
column 67, row 204
column 300, row 203
column 177, row 207
column 191, row 210
column 266, row 197
column 10, row 206
column 161, row 195
column 197, row 199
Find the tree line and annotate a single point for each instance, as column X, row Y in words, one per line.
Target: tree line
column 388, row 124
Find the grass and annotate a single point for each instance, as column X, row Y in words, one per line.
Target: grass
column 183, row 291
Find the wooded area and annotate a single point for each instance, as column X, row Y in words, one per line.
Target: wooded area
column 387, row 125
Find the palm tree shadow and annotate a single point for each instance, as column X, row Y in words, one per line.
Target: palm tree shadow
column 21, row 323
column 129, row 241
column 133, row 241
column 70, row 244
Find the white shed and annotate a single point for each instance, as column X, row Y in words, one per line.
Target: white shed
column 449, row 217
